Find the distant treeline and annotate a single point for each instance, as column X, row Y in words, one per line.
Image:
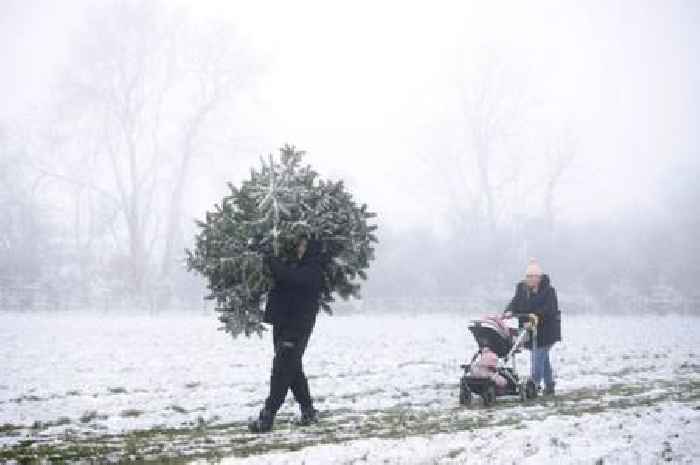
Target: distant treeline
column 638, row 261
column 647, row 261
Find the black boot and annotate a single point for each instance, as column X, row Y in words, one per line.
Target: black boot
column 309, row 416
column 264, row 422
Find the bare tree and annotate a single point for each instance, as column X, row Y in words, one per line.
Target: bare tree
column 494, row 106
column 142, row 88
column 218, row 68
column 22, row 230
column 559, row 156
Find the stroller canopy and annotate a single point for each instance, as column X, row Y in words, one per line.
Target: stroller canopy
column 492, row 333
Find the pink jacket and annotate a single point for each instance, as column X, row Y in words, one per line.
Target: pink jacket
column 486, row 367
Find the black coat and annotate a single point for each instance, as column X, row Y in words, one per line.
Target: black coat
column 544, row 304
column 293, row 302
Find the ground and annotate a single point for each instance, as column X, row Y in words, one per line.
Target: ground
column 171, row 388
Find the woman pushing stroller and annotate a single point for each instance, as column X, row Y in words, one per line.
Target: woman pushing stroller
column 535, row 295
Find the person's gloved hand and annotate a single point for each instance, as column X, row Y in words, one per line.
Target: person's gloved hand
column 533, row 320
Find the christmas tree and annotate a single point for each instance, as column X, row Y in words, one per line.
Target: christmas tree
column 280, row 202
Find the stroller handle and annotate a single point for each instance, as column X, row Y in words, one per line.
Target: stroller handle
column 532, row 318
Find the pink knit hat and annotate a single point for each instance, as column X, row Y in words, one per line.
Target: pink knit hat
column 533, row 268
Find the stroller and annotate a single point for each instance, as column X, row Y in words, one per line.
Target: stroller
column 493, row 370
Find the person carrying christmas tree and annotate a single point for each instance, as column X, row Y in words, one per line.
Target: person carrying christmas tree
column 536, row 295
column 291, row 308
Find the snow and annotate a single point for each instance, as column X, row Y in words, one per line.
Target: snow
column 386, row 384
column 614, row 438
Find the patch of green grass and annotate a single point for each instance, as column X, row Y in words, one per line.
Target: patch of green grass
column 9, row 428
column 354, row 395
column 117, row 390
column 416, row 363
column 91, row 415
column 131, row 413
column 178, row 409
column 26, row 398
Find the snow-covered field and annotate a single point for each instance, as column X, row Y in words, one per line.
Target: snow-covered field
column 82, row 386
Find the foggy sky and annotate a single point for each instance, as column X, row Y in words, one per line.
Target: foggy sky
column 372, row 90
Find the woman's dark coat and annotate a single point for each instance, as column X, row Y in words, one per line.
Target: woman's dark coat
column 543, row 304
column 293, row 303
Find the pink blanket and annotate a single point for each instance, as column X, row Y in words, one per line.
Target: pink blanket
column 486, row 367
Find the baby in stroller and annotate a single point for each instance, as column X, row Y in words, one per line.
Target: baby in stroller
column 486, row 364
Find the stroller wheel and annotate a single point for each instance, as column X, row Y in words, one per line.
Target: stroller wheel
column 530, row 389
column 465, row 394
column 489, row 394
column 522, row 391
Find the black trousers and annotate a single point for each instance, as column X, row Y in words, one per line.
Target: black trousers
column 287, row 368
